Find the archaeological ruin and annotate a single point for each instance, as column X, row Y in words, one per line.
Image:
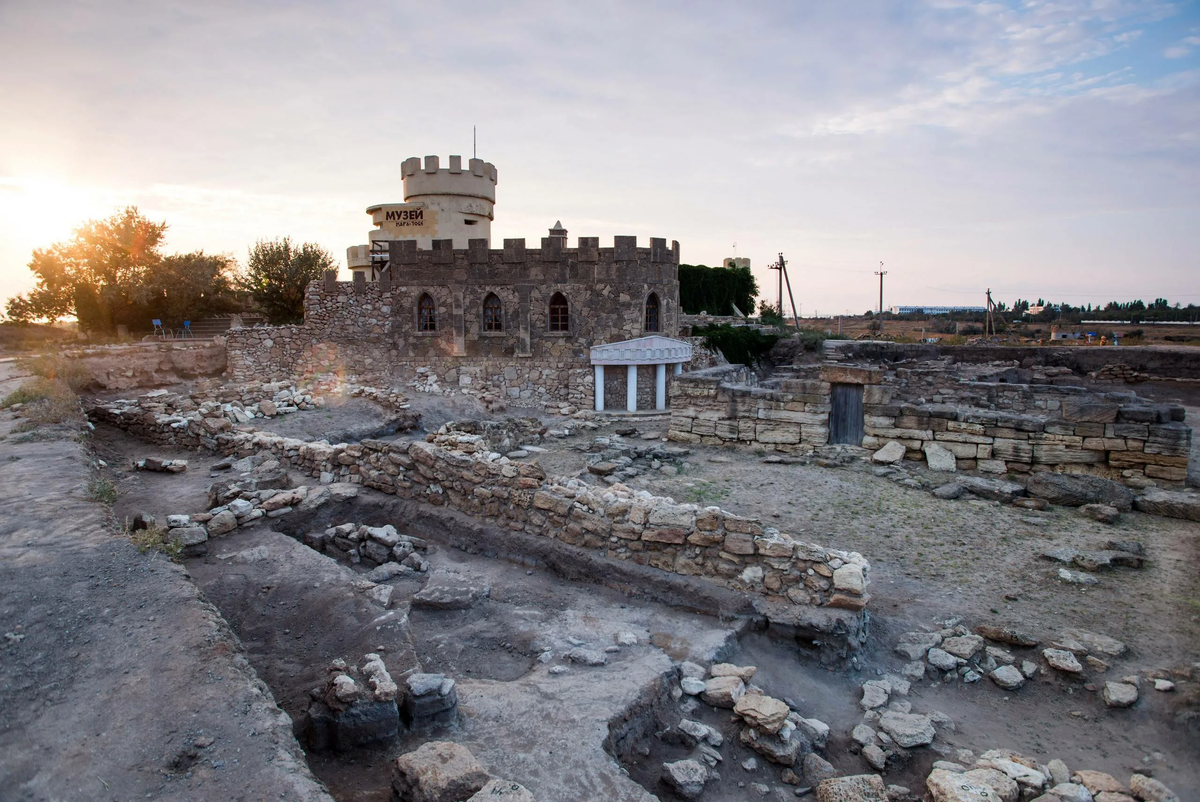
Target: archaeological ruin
column 493, row 523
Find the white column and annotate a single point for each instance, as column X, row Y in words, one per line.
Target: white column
column 631, row 389
column 599, row 388
column 660, row 386
column 678, row 368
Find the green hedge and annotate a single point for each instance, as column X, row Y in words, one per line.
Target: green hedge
column 739, row 344
column 716, row 289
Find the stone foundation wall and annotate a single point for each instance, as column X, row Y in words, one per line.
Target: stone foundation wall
column 991, row 427
column 124, row 367
column 456, row 470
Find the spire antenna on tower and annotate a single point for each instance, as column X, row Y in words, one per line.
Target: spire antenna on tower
column 474, row 150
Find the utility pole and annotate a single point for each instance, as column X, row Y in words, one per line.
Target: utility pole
column 781, row 266
column 989, row 325
column 881, row 273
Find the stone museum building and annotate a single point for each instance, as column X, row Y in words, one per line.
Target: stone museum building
column 432, row 303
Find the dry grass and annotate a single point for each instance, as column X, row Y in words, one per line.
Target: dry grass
column 44, row 401
column 71, row 372
column 154, row 538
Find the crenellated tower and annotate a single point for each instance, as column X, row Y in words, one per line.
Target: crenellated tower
column 442, row 203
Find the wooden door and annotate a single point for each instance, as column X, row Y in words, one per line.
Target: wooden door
column 846, row 414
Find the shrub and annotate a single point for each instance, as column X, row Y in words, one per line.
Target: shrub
column 71, row 371
column 739, row 344
column 102, row 490
column 154, row 538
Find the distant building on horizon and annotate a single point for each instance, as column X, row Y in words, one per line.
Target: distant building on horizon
column 934, row 310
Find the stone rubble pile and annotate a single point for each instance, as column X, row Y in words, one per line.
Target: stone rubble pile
column 769, row 726
column 443, row 771
column 1007, row 776
column 614, row 459
column 355, row 706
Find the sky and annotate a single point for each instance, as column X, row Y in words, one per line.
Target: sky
column 1042, row 149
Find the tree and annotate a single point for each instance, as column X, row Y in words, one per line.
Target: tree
column 278, row 273
column 97, row 275
column 716, row 290
column 191, row 286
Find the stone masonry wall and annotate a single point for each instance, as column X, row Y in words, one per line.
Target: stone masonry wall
column 370, row 331
column 991, row 427
column 456, row 470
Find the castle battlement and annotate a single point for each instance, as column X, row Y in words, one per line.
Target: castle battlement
column 553, row 249
column 478, row 180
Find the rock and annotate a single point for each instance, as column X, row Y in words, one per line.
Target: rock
column 914, row 670
column 389, row 570
column 1150, row 789
column 951, row 786
column 1103, row 513
column 1119, row 694
column 914, row 645
column 697, row 732
column 1004, row 787
column 745, row 673
column 898, row 793
column 874, row 694
column 764, row 713
column 381, row 595
column 1164, row 685
column 1008, row 678
column 1095, row 642
column 1076, row 578
column 850, row 578
column 815, row 730
column 588, row 657
column 1075, row 490
column 503, row 790
column 939, row 458
column 440, row 771
column 448, row 592
column 690, row 669
column 685, row 777
column 192, row 535
column 857, row 788
column 875, row 757
column 949, row 491
column 751, row 764
column 723, row 691
column 692, row 686
column 775, row 748
column 907, row 729
column 1095, row 663
column 863, row 735
column 602, row 468
column 943, row 660
column 1128, row 546
column 964, row 646
column 890, row 454
column 627, row 639
column 1071, row 792
column 991, row 489
column 816, row 769
column 222, row 523
column 1058, row 772
column 1062, row 660
column 1169, row 504
column 1097, row 781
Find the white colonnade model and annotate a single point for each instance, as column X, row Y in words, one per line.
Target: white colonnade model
column 653, row 350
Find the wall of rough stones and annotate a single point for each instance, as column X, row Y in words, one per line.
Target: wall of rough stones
column 456, row 470
column 994, row 427
column 369, row 330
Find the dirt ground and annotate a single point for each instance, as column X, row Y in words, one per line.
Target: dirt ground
column 117, row 681
column 931, row 560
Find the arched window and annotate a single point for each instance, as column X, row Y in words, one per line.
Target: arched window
column 652, row 317
column 426, row 313
column 493, row 313
column 560, row 316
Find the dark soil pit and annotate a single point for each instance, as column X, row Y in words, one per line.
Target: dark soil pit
column 473, row 643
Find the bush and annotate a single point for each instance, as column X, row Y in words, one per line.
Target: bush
column 738, row 344
column 102, row 490
column 154, row 538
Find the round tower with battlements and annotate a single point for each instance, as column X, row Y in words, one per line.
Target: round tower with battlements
column 453, row 203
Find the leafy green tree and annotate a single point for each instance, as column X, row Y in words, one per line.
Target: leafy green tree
column 277, row 274
column 716, row 290
column 97, row 275
column 191, row 286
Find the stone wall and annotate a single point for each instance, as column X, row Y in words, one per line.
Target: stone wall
column 370, row 330
column 993, row 427
column 456, row 470
column 123, row 367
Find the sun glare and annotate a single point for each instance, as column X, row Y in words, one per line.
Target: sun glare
column 40, row 211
